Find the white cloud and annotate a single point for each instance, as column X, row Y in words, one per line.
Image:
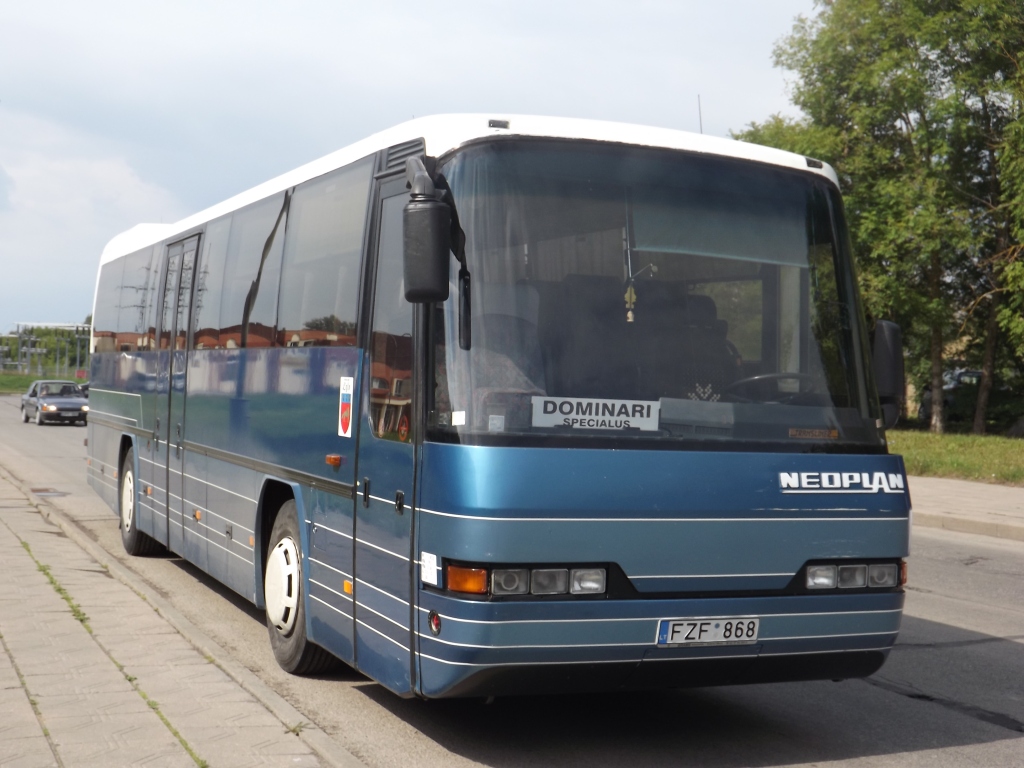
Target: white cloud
column 115, row 111
column 66, row 198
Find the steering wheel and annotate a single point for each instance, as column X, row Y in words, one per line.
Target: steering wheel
column 780, row 376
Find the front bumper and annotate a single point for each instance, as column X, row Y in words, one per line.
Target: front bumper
column 509, row 648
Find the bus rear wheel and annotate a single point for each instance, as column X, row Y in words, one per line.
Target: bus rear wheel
column 283, row 594
column 135, row 542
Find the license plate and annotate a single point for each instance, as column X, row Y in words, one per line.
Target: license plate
column 722, row 630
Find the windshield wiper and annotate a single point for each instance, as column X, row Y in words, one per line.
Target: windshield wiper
column 458, row 240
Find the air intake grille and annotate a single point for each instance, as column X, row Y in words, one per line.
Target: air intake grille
column 398, row 154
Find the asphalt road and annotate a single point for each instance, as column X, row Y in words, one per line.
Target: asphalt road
column 952, row 693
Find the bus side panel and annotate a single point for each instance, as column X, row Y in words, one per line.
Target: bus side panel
column 232, row 497
column 330, row 605
column 102, row 467
column 277, row 406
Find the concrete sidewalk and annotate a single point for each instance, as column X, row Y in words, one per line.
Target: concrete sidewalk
column 968, row 507
column 92, row 673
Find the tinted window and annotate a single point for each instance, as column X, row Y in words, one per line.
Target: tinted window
column 253, row 229
column 319, row 286
column 108, row 303
column 391, row 342
column 148, row 342
column 210, row 283
column 131, row 323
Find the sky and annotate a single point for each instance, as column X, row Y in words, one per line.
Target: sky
column 115, row 113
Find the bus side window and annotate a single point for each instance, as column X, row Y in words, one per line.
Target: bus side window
column 132, row 316
column 210, row 282
column 391, row 341
column 322, row 254
column 108, row 303
column 251, row 228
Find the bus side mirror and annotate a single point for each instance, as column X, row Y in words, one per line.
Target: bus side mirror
column 426, row 224
column 887, row 354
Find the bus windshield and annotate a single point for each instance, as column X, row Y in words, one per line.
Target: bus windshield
column 651, row 298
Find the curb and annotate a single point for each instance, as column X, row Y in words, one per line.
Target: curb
column 332, row 753
column 969, row 525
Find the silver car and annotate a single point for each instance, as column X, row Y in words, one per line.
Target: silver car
column 55, row 401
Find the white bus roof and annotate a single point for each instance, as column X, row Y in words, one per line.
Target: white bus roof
column 443, row 133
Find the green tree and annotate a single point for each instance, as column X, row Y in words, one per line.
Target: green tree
column 910, row 100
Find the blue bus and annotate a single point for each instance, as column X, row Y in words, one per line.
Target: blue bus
column 493, row 405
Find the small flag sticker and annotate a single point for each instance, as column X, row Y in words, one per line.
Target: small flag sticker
column 345, row 407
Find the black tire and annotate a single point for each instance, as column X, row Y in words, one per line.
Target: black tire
column 135, row 542
column 39, row 416
column 283, row 594
column 24, row 415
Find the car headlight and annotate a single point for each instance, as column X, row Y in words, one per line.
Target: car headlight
column 85, row 407
column 49, row 407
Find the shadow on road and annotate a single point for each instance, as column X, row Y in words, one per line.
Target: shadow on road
column 908, row 707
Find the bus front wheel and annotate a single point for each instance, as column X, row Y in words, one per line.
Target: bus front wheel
column 135, row 542
column 283, row 593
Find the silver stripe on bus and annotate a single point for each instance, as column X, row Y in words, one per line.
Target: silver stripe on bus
column 154, row 511
column 386, row 618
column 642, row 643
column 101, row 479
column 206, row 511
column 827, row 637
column 378, row 589
column 322, row 527
column 333, row 608
column 386, row 551
column 446, row 617
column 113, row 416
column 665, row 519
column 382, row 634
column 221, row 488
column 331, row 567
column 834, row 650
column 544, row 663
column 332, row 591
column 101, row 461
column 711, row 576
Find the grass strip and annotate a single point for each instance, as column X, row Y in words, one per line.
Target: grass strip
column 983, row 458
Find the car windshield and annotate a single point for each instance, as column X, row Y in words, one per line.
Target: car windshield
column 649, row 296
column 60, row 389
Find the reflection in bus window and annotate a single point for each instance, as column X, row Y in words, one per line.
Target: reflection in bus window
column 323, row 250
column 391, row 341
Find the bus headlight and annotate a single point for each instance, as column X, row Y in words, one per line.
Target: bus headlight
column 882, row 575
column 587, row 581
column 821, row 576
column 549, row 581
column 510, row 581
column 853, row 576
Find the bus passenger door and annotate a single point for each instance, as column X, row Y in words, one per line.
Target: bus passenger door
column 185, row 507
column 153, row 461
column 383, row 547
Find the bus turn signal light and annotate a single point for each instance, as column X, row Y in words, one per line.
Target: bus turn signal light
column 470, row 580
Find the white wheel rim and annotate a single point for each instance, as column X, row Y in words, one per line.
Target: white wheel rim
column 281, row 585
column 128, row 501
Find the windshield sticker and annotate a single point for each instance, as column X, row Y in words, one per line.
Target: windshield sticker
column 345, row 406
column 593, row 413
column 815, row 434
